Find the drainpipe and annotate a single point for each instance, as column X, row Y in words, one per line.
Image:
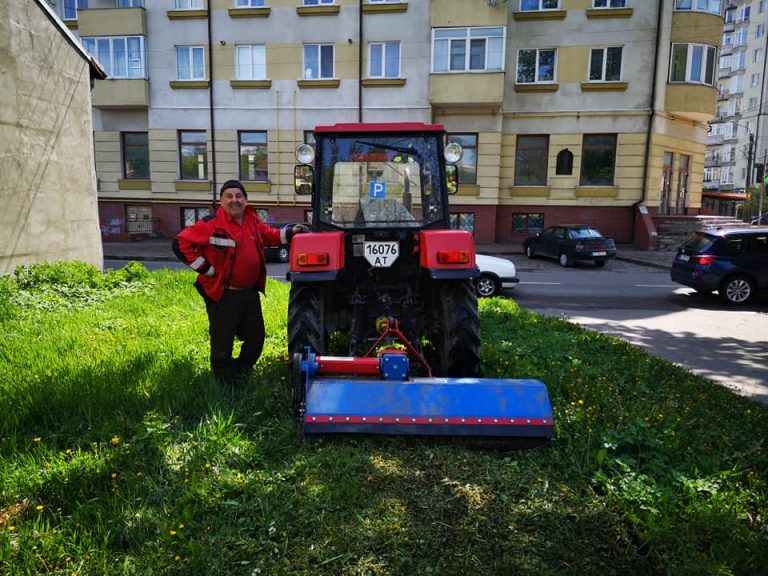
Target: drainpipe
column 210, row 108
column 651, row 116
column 360, row 63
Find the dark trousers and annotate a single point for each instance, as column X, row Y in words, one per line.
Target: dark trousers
column 237, row 314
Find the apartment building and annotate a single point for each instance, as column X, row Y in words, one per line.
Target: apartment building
column 568, row 110
column 737, row 140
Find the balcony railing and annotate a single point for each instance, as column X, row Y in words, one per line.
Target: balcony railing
column 145, row 226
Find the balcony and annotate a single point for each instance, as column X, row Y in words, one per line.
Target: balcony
column 723, row 73
column 121, row 93
column 711, row 184
column 711, row 161
column 726, row 49
column 714, row 139
column 694, row 101
column 467, row 89
column 112, row 22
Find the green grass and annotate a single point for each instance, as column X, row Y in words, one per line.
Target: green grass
column 120, row 455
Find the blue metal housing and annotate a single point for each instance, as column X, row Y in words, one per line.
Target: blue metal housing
column 429, row 406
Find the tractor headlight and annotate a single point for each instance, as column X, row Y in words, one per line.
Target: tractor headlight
column 305, row 154
column 452, row 152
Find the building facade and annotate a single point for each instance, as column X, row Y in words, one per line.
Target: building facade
column 48, row 184
column 568, row 110
column 737, row 139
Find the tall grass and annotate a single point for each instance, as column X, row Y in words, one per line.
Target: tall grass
column 120, row 455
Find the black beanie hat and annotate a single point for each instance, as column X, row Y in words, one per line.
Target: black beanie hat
column 233, row 184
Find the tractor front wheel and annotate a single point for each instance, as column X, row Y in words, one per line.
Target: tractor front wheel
column 458, row 330
column 306, row 320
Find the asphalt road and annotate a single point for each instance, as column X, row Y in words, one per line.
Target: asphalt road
column 644, row 307
column 641, row 305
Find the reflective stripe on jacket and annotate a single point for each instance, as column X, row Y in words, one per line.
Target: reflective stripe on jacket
column 208, row 243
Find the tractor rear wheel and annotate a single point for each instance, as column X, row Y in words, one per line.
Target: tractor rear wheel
column 306, row 321
column 458, row 331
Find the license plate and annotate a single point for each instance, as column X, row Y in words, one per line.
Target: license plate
column 598, row 253
column 381, row 254
column 683, row 257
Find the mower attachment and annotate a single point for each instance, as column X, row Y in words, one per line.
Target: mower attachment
column 375, row 396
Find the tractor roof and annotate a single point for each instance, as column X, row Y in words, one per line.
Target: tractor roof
column 380, row 127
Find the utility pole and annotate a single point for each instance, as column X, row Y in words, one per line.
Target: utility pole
column 750, row 151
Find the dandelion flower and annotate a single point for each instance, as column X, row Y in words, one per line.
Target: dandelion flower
column 37, row 439
column 172, row 532
column 115, row 441
column 39, row 507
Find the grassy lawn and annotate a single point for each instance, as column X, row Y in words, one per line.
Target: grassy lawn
column 120, row 455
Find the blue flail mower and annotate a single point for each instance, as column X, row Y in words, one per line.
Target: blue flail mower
column 376, row 396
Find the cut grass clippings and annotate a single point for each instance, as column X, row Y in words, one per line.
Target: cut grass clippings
column 120, row 455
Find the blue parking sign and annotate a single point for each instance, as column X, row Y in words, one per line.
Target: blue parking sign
column 377, row 189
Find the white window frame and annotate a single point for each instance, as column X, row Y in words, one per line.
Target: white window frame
column 386, row 1
column 541, row 5
column 537, row 68
column 191, row 51
column 760, row 30
column 737, row 85
column 444, row 40
column 707, row 52
column 103, row 48
column 709, row 6
column 188, row 4
column 321, row 49
column 249, row 3
column 250, row 62
column 604, row 62
column 381, row 60
column 318, row 2
column 130, row 3
column 607, row 4
column 754, row 80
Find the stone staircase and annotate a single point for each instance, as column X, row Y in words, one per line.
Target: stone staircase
column 674, row 230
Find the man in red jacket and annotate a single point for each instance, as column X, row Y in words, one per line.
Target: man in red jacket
column 226, row 249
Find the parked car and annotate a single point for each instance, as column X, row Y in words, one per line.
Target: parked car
column 569, row 243
column 760, row 220
column 278, row 253
column 731, row 261
column 495, row 275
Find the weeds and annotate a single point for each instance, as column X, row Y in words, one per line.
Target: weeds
column 119, row 454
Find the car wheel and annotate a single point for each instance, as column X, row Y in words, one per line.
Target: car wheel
column 486, row 286
column 282, row 253
column 599, row 263
column 529, row 251
column 564, row 259
column 737, row 290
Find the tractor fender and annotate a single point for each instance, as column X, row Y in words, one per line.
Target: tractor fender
column 316, row 256
column 448, row 254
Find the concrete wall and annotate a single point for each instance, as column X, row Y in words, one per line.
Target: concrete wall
column 48, row 184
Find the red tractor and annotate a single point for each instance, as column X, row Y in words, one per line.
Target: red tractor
column 382, row 247
column 383, row 277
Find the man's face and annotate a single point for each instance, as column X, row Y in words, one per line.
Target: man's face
column 234, row 202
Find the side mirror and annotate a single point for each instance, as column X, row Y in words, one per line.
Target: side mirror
column 302, row 178
column 452, row 178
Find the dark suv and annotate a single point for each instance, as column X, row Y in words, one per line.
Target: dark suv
column 733, row 261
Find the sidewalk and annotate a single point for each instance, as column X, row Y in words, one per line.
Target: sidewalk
column 160, row 250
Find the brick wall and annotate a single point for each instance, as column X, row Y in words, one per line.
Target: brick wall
column 613, row 222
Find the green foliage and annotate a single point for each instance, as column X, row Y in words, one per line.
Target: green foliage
column 119, row 454
column 52, row 285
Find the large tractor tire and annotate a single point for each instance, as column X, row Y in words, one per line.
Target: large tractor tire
column 306, row 321
column 457, row 340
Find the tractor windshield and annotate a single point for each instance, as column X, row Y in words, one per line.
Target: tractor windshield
column 381, row 181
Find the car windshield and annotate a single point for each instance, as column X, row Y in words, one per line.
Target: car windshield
column 375, row 181
column 578, row 233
